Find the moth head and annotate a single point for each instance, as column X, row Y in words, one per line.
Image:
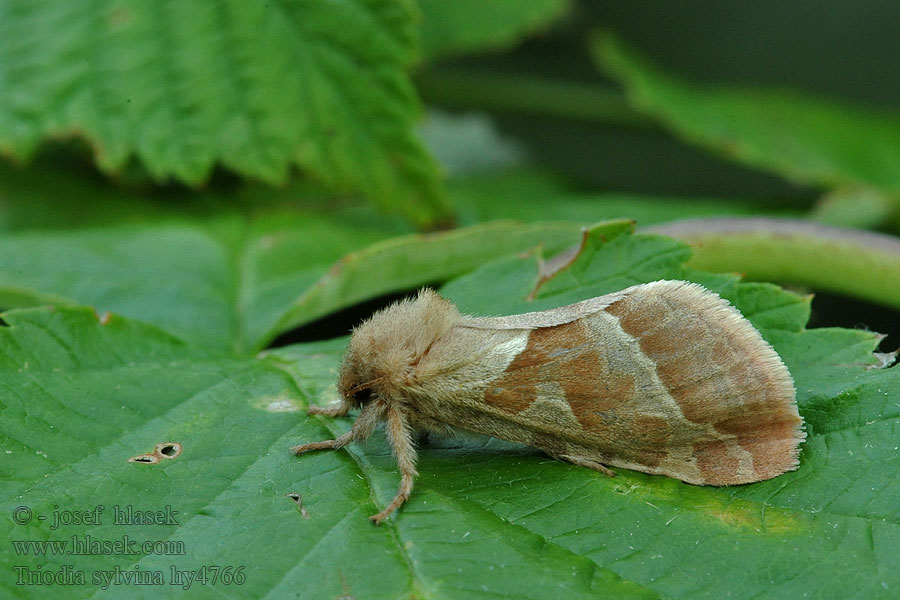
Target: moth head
column 384, row 350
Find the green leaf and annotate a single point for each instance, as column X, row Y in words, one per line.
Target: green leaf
column 234, row 283
column 412, row 261
column 57, row 193
column 256, row 87
column 83, row 395
column 471, row 26
column 803, row 138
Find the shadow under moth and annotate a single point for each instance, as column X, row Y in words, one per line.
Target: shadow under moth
column 665, row 378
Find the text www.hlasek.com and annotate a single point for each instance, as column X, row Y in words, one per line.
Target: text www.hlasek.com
column 85, row 545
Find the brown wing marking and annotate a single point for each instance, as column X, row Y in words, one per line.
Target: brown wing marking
column 720, row 371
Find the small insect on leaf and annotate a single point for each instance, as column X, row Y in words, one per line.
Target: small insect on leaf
column 665, row 378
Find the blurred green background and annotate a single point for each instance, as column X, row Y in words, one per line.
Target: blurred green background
column 837, row 50
column 190, row 192
column 448, row 114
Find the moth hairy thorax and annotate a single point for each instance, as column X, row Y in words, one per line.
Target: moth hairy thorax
column 665, row 378
column 384, row 350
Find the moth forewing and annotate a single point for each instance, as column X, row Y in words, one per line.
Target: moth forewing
column 665, row 378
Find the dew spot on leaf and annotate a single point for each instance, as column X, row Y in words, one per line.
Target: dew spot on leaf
column 276, row 404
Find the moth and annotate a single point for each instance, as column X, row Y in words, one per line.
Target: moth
column 665, row 378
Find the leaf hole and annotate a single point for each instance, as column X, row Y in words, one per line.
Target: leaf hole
column 168, row 449
column 144, row 458
column 298, row 500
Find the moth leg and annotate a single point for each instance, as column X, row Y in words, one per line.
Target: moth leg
column 361, row 429
column 337, row 409
column 399, row 435
column 334, row 444
column 586, row 462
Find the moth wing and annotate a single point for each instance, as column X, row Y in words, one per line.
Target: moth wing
column 546, row 318
column 664, row 378
column 721, row 374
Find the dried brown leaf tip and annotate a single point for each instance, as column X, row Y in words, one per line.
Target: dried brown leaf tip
column 547, row 269
column 163, row 450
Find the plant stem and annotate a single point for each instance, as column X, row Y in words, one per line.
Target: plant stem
column 860, row 264
column 467, row 89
